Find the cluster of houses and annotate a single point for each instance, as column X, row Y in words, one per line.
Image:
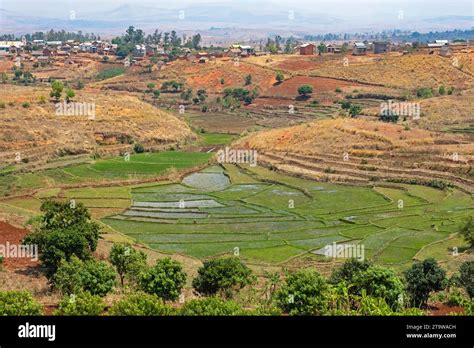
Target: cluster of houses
column 43, row 52
column 379, row 47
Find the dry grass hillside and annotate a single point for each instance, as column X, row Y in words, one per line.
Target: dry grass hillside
column 38, row 132
column 448, row 113
column 356, row 150
column 394, row 70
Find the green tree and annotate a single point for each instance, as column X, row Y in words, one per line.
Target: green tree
column 348, row 271
column 467, row 231
column 222, row 276
column 248, row 80
column 18, row 303
column 166, row 279
column 380, row 282
column 322, row 48
column 211, row 306
column 305, row 90
column 424, row 92
column 56, row 90
column 466, row 277
column 81, row 304
column 304, row 292
column 127, row 261
column 355, row 110
column 442, row 90
column 138, row 148
column 280, row 77
column 202, row 95
column 423, row 278
column 75, row 276
column 65, row 229
column 156, row 94
column 150, row 87
column 141, row 304
column 70, row 94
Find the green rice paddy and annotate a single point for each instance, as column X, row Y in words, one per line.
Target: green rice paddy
column 267, row 217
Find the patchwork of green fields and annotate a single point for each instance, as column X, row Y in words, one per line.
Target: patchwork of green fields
column 261, row 215
column 136, row 166
column 268, row 217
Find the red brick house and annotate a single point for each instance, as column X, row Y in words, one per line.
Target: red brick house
column 307, row 49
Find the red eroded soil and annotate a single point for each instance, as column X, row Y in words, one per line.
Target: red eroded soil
column 438, row 308
column 13, row 236
column 297, row 63
column 289, row 88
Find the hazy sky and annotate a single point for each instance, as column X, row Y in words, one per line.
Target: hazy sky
column 342, row 7
column 309, row 15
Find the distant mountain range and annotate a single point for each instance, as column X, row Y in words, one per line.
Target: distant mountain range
column 239, row 19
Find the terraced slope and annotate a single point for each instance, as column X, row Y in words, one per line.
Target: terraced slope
column 363, row 151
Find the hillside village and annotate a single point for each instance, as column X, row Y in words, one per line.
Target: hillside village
column 43, row 53
column 364, row 143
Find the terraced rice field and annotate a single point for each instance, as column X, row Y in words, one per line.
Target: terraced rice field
column 136, row 166
column 267, row 217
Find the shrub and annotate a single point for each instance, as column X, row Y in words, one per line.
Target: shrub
column 466, row 277
column 25, row 105
column 338, row 90
column 56, row 90
column 204, row 108
column 165, row 279
column 150, row 87
column 70, row 94
column 355, row 110
column 141, row 304
column 280, row 77
column 442, row 90
column 65, row 230
column 380, row 282
column 211, row 306
column 346, row 105
column 19, row 303
column 2, row 105
column 424, row 92
column 76, row 276
column 138, row 148
column 303, row 293
column 423, row 278
column 348, row 271
column 467, row 231
column 222, row 276
column 305, row 90
column 127, row 261
column 248, row 80
column 80, row 304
